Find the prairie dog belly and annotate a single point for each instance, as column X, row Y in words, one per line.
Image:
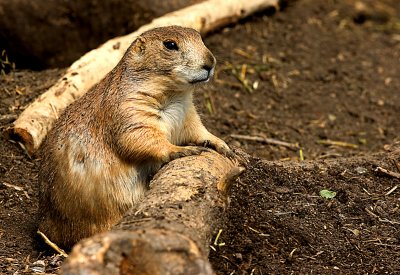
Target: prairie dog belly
column 103, row 182
column 173, row 116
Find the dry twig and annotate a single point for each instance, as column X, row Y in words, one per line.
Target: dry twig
column 337, row 143
column 9, row 185
column 52, row 245
column 293, row 146
column 387, row 172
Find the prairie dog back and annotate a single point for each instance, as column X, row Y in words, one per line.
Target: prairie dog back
column 98, row 158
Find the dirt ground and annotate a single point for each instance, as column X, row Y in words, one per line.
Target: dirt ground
column 320, row 75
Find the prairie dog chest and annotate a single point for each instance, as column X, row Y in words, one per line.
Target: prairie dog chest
column 173, row 115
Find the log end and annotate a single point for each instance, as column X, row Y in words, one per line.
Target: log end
column 24, row 137
column 155, row 251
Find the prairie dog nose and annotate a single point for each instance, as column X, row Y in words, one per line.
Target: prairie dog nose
column 209, row 63
column 208, row 68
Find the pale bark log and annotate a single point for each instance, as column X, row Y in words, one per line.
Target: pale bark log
column 170, row 230
column 38, row 118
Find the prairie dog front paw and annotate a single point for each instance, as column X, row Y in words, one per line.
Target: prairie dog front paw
column 186, row 151
column 218, row 145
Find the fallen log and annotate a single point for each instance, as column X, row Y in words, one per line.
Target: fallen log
column 37, row 119
column 170, row 230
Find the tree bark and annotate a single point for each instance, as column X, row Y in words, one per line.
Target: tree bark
column 170, row 230
column 38, row 118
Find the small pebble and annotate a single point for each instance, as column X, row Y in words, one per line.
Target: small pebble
column 238, row 256
column 38, row 266
column 56, row 261
column 235, row 143
column 361, row 170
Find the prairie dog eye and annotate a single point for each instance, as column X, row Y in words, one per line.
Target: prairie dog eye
column 171, row 45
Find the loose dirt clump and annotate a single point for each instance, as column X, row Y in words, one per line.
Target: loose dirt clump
column 321, row 76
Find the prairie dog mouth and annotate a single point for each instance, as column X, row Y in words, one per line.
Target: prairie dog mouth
column 203, row 76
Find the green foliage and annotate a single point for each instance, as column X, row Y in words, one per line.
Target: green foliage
column 327, row 194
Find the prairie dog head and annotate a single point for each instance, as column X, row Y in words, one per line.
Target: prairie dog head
column 172, row 53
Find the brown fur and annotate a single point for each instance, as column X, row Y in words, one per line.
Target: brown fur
column 97, row 159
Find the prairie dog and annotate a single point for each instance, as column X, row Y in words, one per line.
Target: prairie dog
column 97, row 159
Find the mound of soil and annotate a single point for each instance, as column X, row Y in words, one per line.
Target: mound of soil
column 319, row 75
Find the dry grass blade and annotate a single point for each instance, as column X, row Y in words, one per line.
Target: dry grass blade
column 52, row 245
column 391, row 190
column 9, row 185
column 243, row 53
column 241, row 76
column 337, row 143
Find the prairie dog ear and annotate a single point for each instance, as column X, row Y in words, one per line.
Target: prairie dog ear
column 139, row 45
